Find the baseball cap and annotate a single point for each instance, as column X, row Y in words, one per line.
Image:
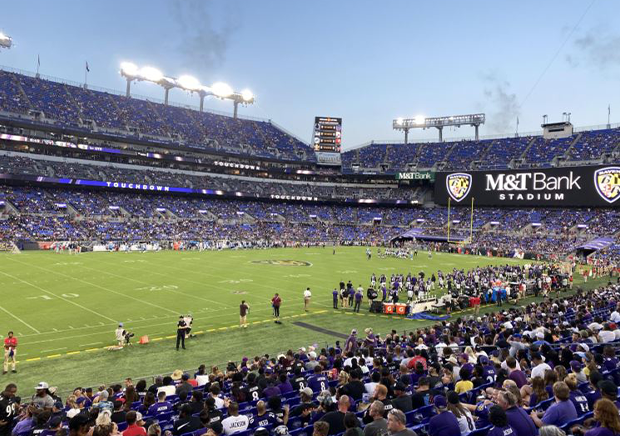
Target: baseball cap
column 120, row 324
column 42, row 385
column 54, row 422
column 216, row 427
column 440, row 402
column 484, row 360
column 312, row 354
column 400, row 386
column 139, row 417
column 281, row 430
column 608, row 388
column 307, row 391
column 576, row 365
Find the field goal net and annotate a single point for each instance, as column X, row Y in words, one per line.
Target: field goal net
column 9, row 247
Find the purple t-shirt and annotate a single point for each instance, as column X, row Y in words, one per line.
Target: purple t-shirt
column 502, row 431
column 444, row 424
column 560, row 413
column 518, row 377
column 600, row 431
column 521, row 422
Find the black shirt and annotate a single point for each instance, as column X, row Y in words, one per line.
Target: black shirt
column 187, row 425
column 8, row 410
column 354, row 389
column 403, row 403
column 118, row 416
column 181, row 326
column 335, row 420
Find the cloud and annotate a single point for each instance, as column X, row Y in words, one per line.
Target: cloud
column 203, row 38
column 501, row 105
column 597, row 49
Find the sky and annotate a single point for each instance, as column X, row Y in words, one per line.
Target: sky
column 368, row 62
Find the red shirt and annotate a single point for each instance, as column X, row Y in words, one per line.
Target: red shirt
column 10, row 342
column 134, row 430
column 276, row 301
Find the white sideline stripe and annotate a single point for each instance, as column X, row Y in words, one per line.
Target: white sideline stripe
column 100, row 287
column 57, row 296
column 19, row 319
column 53, row 349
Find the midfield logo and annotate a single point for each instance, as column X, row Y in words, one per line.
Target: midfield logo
column 458, row 185
column 607, row 182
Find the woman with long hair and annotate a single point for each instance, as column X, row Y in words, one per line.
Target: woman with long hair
column 539, row 391
column 463, row 416
column 606, row 414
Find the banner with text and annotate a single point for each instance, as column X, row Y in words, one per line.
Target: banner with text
column 570, row 186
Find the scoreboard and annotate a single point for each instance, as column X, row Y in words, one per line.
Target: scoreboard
column 327, row 136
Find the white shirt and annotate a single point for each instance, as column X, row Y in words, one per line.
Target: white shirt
column 607, row 336
column 615, row 316
column 539, row 370
column 235, row 424
column 307, row 294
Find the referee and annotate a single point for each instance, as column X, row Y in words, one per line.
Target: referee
column 181, row 328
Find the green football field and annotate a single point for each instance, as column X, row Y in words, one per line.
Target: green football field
column 64, row 308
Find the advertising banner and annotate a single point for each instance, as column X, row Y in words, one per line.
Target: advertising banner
column 570, row 186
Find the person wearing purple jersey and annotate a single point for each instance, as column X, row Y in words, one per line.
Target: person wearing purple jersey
column 351, row 343
column 518, row 418
column 577, row 397
column 607, row 419
column 499, row 420
column 318, row 382
column 262, row 418
column 444, row 423
column 162, row 406
column 488, row 369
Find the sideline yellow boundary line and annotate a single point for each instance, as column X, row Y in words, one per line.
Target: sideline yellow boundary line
column 201, row 332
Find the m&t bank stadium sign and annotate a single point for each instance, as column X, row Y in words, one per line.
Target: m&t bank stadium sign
column 574, row 186
column 416, row 175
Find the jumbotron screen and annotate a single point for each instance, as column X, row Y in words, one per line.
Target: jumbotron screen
column 327, row 136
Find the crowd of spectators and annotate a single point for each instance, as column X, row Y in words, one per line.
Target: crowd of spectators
column 548, row 368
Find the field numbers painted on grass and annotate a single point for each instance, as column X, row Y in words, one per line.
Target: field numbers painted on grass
column 158, row 288
column 297, row 276
column 348, row 271
column 47, row 297
column 237, row 281
column 67, row 263
column 135, row 261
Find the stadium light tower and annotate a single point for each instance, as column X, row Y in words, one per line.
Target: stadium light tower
column 5, row 41
column 188, row 83
column 420, row 122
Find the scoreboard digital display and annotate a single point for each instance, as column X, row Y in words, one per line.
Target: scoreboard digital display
column 327, row 136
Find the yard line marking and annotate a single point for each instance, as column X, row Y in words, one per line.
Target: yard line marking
column 51, row 356
column 19, row 319
column 72, row 352
column 32, row 359
column 142, row 301
column 53, row 349
column 90, row 350
column 224, row 306
column 92, row 343
column 57, row 296
column 71, row 327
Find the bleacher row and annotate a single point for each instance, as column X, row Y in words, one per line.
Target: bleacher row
column 74, row 106
column 524, row 152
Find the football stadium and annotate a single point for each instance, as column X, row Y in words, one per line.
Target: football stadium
column 174, row 261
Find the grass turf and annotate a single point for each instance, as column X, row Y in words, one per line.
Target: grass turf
column 64, row 308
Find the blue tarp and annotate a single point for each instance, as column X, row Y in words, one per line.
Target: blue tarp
column 424, row 315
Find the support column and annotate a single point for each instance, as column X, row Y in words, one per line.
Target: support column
column 476, row 126
column 236, row 108
column 440, row 133
column 166, row 96
column 128, row 90
column 406, row 136
column 202, row 102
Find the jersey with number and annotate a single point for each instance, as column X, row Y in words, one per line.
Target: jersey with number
column 299, row 383
column 254, row 393
column 8, row 410
column 268, row 418
column 580, row 402
column 318, row 383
